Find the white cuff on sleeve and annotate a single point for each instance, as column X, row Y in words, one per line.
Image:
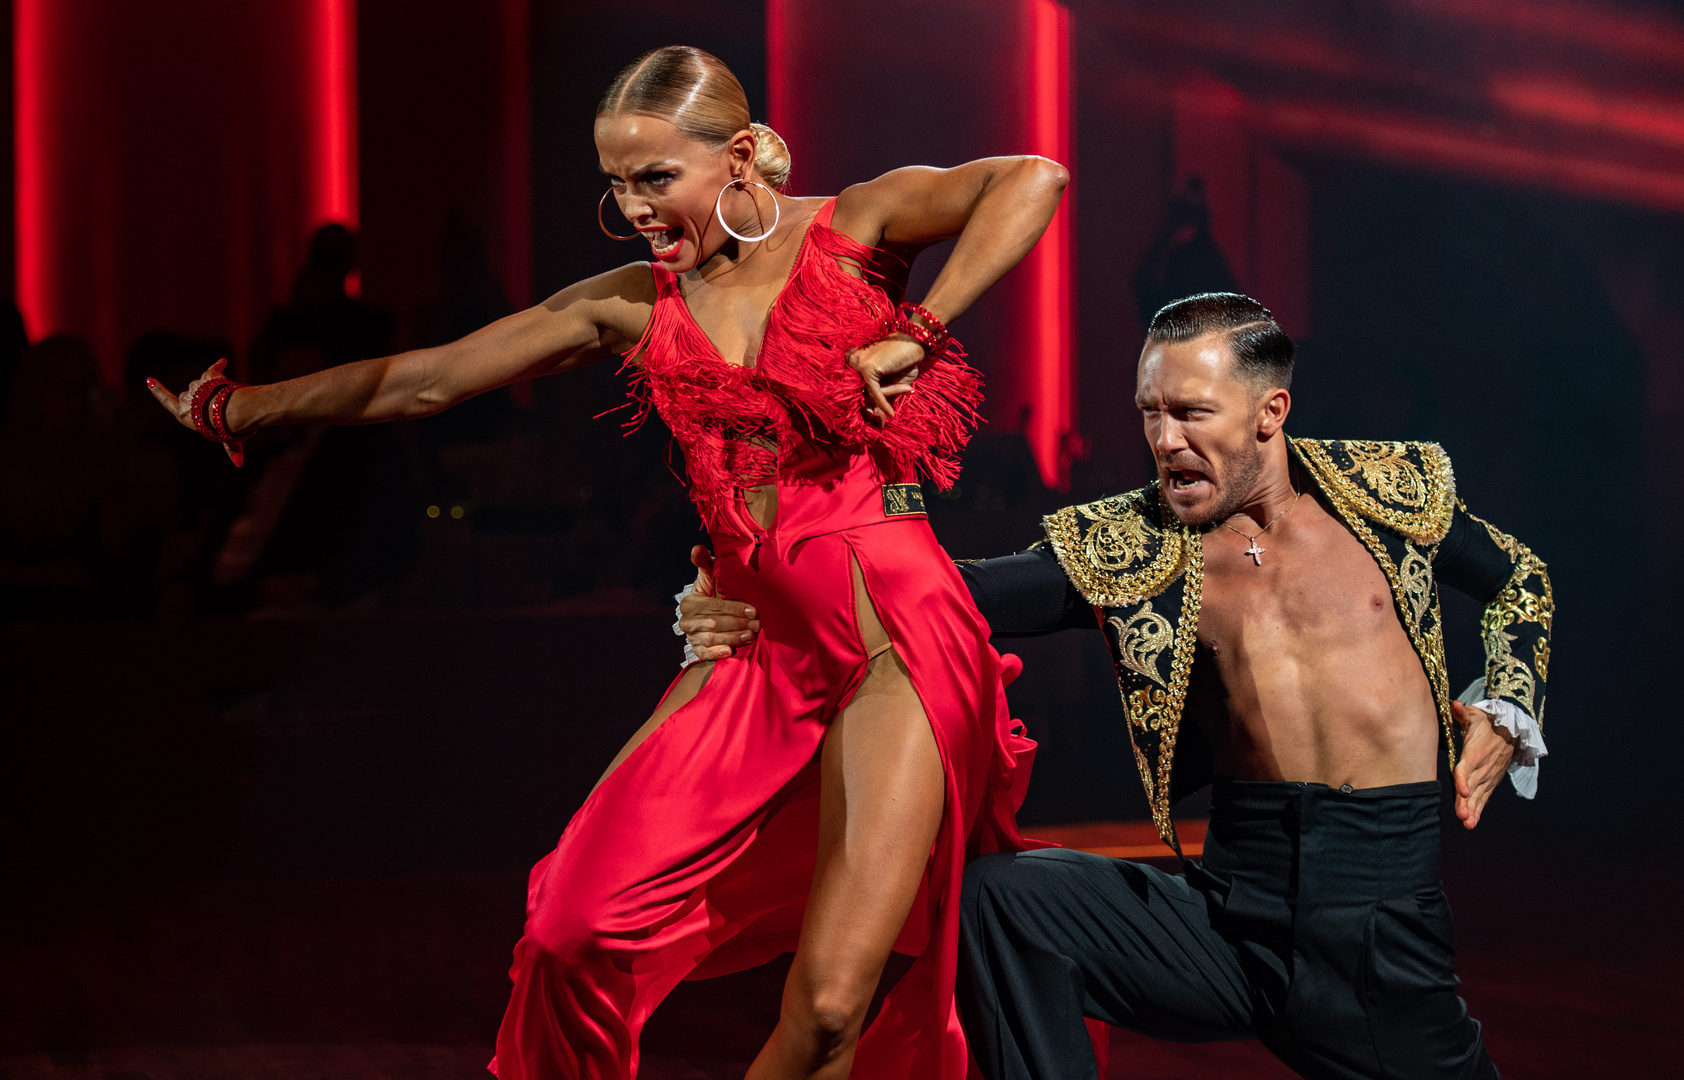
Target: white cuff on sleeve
column 1528, row 738
column 690, row 656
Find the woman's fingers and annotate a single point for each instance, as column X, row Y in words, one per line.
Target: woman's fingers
column 888, row 368
column 165, row 398
column 880, row 403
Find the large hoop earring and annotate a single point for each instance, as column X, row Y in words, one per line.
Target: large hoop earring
column 604, row 225
column 777, row 211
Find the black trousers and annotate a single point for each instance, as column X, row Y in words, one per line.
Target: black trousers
column 1315, row 923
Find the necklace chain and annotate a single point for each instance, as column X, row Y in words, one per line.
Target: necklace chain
column 1254, row 551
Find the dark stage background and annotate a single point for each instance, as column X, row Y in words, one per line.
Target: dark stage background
column 277, row 746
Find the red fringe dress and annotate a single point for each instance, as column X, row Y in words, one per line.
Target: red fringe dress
column 694, row 858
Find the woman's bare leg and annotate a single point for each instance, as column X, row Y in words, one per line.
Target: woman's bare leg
column 689, row 685
column 882, row 790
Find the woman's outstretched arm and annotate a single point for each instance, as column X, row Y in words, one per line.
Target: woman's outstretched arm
column 997, row 207
column 579, row 325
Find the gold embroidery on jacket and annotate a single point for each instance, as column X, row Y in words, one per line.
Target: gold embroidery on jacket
column 1180, row 668
column 1406, row 486
column 1150, row 709
column 1146, row 708
column 1506, row 675
column 1121, row 550
column 1416, row 574
column 1141, row 640
column 1527, row 598
column 1386, row 472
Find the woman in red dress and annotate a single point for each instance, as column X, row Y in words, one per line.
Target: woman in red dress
column 821, row 790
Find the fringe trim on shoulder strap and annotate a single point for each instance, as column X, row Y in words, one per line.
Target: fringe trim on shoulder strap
column 826, row 312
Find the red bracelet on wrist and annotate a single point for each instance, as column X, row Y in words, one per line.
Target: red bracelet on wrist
column 929, row 332
column 218, row 412
column 209, row 407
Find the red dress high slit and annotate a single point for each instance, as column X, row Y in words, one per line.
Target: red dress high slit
column 694, row 857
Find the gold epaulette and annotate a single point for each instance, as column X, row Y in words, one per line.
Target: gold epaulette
column 1406, row 486
column 1121, row 550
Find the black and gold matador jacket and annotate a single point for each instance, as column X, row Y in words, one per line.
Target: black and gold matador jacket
column 1129, row 562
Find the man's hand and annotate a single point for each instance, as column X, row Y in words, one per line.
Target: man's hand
column 1486, row 753
column 714, row 627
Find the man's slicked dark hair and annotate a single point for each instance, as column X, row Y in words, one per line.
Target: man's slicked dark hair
column 1262, row 351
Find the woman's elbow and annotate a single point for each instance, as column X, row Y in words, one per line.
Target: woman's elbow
column 1047, row 174
column 429, row 401
column 428, row 391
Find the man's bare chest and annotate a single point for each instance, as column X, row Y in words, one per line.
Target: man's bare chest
column 1315, row 588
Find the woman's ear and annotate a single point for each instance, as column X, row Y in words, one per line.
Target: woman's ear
column 740, row 153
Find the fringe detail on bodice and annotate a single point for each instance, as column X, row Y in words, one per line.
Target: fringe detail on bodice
column 737, row 426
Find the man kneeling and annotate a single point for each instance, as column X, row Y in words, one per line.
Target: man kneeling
column 1302, row 641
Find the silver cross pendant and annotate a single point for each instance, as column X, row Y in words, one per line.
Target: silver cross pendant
column 1255, row 552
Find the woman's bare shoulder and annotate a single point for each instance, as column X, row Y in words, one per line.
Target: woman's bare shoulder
column 863, row 209
column 633, row 283
column 618, row 301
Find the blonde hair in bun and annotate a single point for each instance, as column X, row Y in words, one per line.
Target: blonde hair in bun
column 771, row 156
column 701, row 97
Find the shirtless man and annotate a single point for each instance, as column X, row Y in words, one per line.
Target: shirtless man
column 1301, row 638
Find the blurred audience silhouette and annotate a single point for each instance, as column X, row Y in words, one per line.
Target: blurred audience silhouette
column 526, row 497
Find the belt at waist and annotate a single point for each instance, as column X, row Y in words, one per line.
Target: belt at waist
column 1303, row 843
column 805, row 511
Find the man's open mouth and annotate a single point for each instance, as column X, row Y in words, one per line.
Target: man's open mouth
column 1186, row 481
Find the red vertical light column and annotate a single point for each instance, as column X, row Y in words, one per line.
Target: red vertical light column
column 1049, row 265
column 30, row 52
column 334, row 187
column 1000, row 84
column 171, row 159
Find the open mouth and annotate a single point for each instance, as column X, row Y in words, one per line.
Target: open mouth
column 665, row 242
column 1186, row 481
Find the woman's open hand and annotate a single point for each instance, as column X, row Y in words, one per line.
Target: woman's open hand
column 181, row 406
column 888, row 368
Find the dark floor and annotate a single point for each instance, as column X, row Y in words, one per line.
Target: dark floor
column 402, row 977
column 300, row 852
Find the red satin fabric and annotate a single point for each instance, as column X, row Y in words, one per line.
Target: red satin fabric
column 694, row 858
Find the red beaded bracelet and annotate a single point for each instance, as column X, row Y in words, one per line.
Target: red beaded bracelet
column 218, row 412
column 933, row 338
column 208, row 408
column 932, row 334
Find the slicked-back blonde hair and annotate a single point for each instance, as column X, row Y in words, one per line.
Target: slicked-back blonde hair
column 701, row 97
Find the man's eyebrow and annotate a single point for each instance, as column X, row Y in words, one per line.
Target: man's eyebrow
column 1180, row 403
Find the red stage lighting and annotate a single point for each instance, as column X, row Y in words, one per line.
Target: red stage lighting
column 29, row 53
column 335, row 182
column 1049, row 265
